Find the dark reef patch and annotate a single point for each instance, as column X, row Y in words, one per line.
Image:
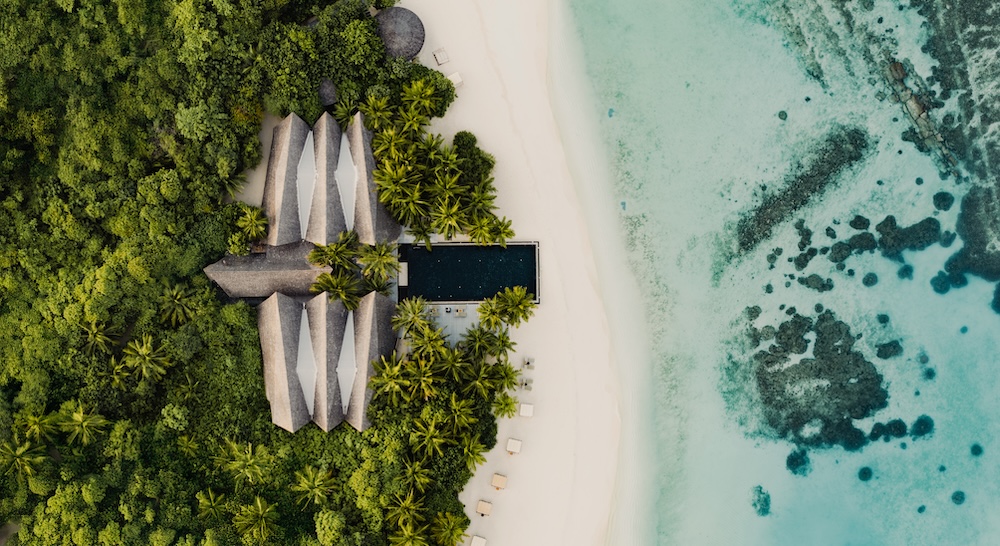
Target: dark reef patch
column 894, row 239
column 889, row 350
column 905, row 272
column 817, row 283
column 869, row 280
column 860, row 222
column 798, row 462
column 865, row 473
column 943, row 200
column 923, row 426
column 841, row 148
column 760, row 499
column 813, row 400
column 976, row 450
column 958, row 497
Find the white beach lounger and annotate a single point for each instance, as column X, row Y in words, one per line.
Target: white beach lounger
column 484, row 508
column 529, row 363
column 527, row 410
column 478, row 541
column 513, row 446
column 499, row 481
column 456, row 79
column 440, row 56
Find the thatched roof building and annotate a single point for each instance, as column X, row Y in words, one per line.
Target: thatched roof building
column 279, row 320
column 281, row 194
column 401, row 31
column 372, row 221
column 326, row 215
column 281, row 269
column 327, row 323
column 373, row 338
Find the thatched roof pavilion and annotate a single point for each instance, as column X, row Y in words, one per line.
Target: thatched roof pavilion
column 281, row 269
column 327, row 322
column 281, row 196
column 372, row 221
column 402, row 32
column 373, row 338
column 279, row 320
column 326, row 215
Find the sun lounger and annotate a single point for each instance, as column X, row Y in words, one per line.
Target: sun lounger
column 478, row 541
column 456, row 79
column 499, row 481
column 527, row 410
column 440, row 56
column 513, row 446
column 484, row 508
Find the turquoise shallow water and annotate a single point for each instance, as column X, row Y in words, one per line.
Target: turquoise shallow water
column 709, row 109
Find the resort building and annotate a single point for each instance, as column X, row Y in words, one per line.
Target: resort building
column 305, row 338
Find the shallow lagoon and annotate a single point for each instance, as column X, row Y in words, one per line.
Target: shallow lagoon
column 707, row 108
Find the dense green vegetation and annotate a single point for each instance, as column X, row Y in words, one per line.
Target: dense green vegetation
column 132, row 408
column 357, row 269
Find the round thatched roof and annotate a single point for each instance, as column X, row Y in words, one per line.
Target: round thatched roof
column 401, row 31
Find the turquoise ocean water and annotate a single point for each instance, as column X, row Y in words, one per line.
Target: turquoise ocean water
column 828, row 392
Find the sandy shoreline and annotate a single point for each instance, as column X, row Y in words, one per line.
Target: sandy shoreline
column 561, row 487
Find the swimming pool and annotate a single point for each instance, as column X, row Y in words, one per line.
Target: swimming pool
column 465, row 272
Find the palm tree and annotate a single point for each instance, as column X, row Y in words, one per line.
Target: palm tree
column 211, row 506
column 447, row 186
column 419, row 96
column 411, row 208
column 246, row 464
column 416, row 475
column 491, row 314
column 421, row 379
column 150, row 361
column 504, row 405
column 405, row 509
column 187, row 389
column 504, row 376
column 40, row 428
column 421, row 232
column 338, row 255
column 430, row 151
column 411, row 314
column 313, row 485
column 343, row 112
column 343, row 286
column 476, row 342
column 480, row 383
column 81, row 425
column 427, row 342
column 258, row 520
column 502, row 231
column 389, row 144
column 252, row 222
column 472, row 451
column 389, row 381
column 176, row 305
column 413, row 122
column 517, row 304
column 446, row 217
column 98, row 338
column 119, row 374
column 379, row 261
column 187, row 445
column 376, row 112
column 481, row 230
column 409, row 535
column 392, row 178
column 22, row 459
column 427, row 437
column 448, row 529
column 502, row 344
column 461, row 414
column 451, row 362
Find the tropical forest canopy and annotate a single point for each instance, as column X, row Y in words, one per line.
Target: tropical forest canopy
column 132, row 408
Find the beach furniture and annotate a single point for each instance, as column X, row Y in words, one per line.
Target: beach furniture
column 499, row 481
column 441, row 56
column 478, row 541
column 460, row 311
column 529, row 363
column 526, row 383
column 513, row 446
column 484, row 508
column 456, row 79
column 527, row 410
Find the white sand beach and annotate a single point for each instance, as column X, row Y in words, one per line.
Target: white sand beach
column 561, row 486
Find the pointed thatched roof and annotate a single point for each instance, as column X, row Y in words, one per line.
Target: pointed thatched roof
column 279, row 320
column 401, row 31
column 326, row 217
column 373, row 338
column 281, row 200
column 327, row 322
column 281, row 269
column 372, row 221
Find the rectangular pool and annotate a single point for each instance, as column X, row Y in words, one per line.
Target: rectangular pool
column 466, row 272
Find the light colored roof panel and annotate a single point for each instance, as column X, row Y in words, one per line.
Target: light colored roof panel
column 373, row 338
column 279, row 320
column 372, row 221
column 280, row 184
column 327, row 322
column 326, row 216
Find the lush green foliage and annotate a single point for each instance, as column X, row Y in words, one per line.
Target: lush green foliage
column 357, row 269
column 132, row 408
